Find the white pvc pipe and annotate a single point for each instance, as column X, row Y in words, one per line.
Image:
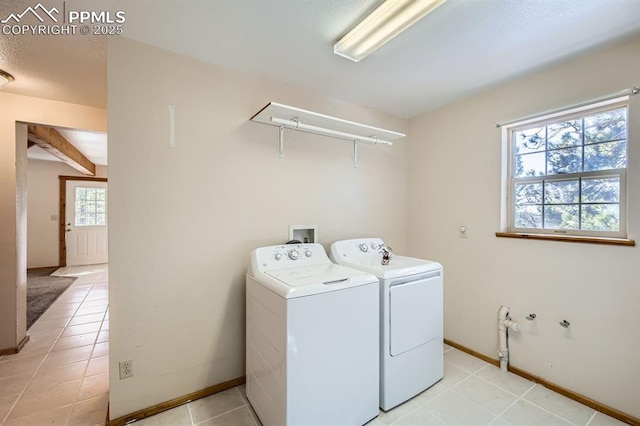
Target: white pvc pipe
column 512, row 325
column 504, row 323
column 503, row 350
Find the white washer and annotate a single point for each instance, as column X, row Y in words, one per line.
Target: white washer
column 411, row 317
column 312, row 338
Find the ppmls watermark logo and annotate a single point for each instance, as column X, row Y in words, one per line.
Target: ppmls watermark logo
column 40, row 20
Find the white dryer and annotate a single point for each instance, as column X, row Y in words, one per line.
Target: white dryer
column 411, row 317
column 312, row 338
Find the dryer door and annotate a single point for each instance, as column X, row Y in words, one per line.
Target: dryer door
column 415, row 313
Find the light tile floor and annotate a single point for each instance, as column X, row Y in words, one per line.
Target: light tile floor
column 61, row 376
column 472, row 392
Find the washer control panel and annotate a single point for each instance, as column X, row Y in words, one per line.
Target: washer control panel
column 291, row 255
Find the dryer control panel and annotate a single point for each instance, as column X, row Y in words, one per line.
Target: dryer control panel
column 362, row 251
column 367, row 254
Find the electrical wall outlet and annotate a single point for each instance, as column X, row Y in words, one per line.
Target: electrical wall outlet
column 126, row 369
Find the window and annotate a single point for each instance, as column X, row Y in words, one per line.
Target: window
column 91, row 206
column 567, row 174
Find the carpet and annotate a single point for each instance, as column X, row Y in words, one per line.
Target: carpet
column 43, row 290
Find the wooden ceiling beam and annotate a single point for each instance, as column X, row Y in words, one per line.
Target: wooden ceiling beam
column 55, row 144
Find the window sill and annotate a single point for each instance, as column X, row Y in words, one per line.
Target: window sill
column 569, row 239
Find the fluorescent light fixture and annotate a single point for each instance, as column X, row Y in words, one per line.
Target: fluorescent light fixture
column 387, row 21
column 5, row 77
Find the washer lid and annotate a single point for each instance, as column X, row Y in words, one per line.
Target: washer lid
column 325, row 274
column 314, row 279
column 301, row 270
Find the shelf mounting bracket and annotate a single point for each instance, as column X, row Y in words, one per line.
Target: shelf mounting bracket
column 324, row 125
column 355, row 154
column 282, row 142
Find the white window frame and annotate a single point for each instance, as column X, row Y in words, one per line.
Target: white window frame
column 568, row 114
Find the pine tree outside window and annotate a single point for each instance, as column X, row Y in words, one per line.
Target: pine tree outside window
column 567, row 174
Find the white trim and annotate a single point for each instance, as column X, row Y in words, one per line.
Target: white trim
column 298, row 125
column 621, row 95
column 568, row 114
column 508, row 210
column 274, row 113
column 569, row 176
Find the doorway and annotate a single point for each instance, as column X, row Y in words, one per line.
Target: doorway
column 68, row 350
column 83, row 221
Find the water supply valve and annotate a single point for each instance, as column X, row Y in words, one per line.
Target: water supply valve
column 386, row 255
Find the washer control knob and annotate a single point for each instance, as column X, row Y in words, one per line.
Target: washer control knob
column 374, row 246
column 364, row 247
column 278, row 256
column 294, row 255
column 308, row 253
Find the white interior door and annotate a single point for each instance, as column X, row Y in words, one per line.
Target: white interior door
column 86, row 222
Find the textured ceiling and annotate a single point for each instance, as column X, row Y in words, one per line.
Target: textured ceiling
column 65, row 68
column 461, row 48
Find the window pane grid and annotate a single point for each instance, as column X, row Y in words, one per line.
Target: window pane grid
column 544, row 194
column 90, row 206
column 569, row 173
column 563, row 208
column 565, row 151
column 586, row 144
column 546, row 171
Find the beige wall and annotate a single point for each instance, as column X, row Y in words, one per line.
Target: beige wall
column 184, row 220
column 13, row 196
column 43, row 188
column 455, row 179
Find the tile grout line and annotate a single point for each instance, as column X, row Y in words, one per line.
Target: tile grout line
column 247, row 405
column 226, row 412
column 474, row 403
column 448, row 388
column 86, row 368
column 55, row 341
column 501, row 388
column 461, row 380
column 593, row 416
column 190, row 413
column 429, row 412
column 84, row 374
column 518, row 398
column 220, row 415
column 33, row 375
column 542, row 408
column 474, row 374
